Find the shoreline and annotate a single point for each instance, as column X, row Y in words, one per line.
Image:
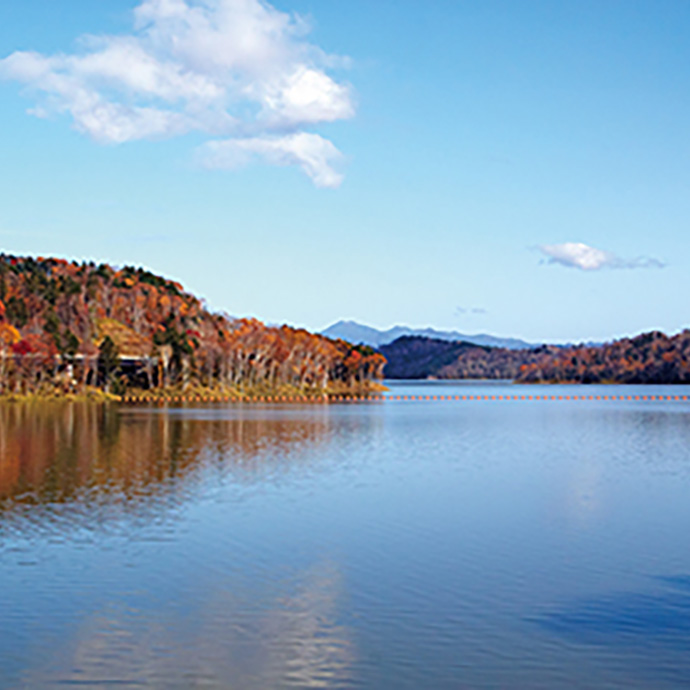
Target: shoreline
column 197, row 393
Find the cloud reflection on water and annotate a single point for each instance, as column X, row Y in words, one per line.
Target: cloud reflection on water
column 290, row 639
column 174, row 607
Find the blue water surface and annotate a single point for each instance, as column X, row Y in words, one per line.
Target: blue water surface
column 440, row 544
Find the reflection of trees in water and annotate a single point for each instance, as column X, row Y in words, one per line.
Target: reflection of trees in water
column 84, row 452
column 217, row 615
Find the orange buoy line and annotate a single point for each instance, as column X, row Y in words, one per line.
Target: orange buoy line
column 323, row 399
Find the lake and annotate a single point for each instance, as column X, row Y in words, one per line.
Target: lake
column 447, row 544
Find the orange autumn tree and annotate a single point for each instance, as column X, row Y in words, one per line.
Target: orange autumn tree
column 9, row 336
column 55, row 315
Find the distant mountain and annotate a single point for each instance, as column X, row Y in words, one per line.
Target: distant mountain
column 355, row 332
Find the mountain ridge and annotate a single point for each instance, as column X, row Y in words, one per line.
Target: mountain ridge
column 355, row 332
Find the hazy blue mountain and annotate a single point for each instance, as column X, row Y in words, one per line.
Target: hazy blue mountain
column 358, row 333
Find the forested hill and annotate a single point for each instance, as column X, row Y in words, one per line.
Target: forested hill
column 648, row 358
column 415, row 357
column 73, row 325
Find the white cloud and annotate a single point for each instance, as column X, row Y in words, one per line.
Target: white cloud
column 316, row 156
column 306, row 95
column 235, row 68
column 475, row 311
column 586, row 258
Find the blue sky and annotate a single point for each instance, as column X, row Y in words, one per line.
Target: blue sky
column 514, row 168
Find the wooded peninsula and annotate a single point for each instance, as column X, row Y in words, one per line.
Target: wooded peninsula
column 69, row 328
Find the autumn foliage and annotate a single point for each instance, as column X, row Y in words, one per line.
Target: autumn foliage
column 71, row 325
column 648, row 358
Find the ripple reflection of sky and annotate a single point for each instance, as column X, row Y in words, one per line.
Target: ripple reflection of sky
column 623, row 618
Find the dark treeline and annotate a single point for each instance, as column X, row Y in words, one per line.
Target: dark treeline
column 69, row 326
column 417, row 357
column 648, row 358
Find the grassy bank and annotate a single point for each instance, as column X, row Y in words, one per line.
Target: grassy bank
column 98, row 395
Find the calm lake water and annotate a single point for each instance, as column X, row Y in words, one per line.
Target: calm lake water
column 374, row 545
